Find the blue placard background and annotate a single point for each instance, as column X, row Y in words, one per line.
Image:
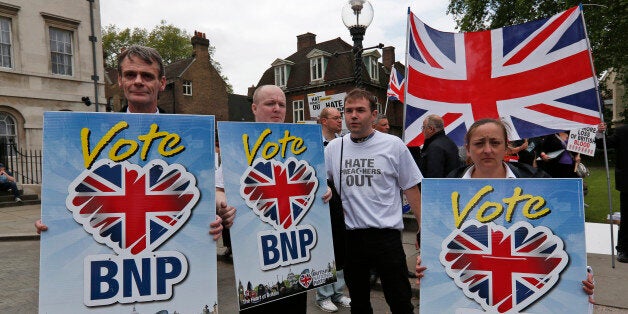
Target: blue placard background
column 66, row 244
column 439, row 293
column 247, row 225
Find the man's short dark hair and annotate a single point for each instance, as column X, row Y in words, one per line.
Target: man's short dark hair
column 147, row 54
column 358, row 93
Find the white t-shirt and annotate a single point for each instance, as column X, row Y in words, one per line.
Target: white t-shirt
column 373, row 172
column 219, row 179
column 509, row 173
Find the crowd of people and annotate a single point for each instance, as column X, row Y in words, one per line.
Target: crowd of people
column 366, row 218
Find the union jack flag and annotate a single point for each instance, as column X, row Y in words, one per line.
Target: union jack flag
column 536, row 76
column 503, row 269
column 280, row 194
column 130, row 208
column 396, row 85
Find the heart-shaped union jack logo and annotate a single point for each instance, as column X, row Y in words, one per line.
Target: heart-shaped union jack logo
column 280, row 194
column 503, row 269
column 305, row 279
column 129, row 208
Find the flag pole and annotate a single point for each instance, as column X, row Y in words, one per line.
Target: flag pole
column 599, row 106
column 386, row 106
column 405, row 89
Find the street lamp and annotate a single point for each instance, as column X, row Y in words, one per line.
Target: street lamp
column 357, row 16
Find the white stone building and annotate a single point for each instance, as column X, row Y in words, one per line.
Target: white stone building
column 47, row 54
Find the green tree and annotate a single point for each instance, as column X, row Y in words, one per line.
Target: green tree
column 171, row 42
column 606, row 22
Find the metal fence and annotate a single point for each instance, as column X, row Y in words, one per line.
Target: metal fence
column 24, row 164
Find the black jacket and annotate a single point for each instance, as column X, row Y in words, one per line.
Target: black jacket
column 619, row 141
column 519, row 169
column 439, row 156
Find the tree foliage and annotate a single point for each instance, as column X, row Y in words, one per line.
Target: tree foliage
column 606, row 22
column 171, row 42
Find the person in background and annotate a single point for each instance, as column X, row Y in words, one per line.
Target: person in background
column 486, row 144
column 369, row 169
column 619, row 141
column 439, row 155
column 563, row 165
column 331, row 125
column 381, row 124
column 7, row 183
column 141, row 76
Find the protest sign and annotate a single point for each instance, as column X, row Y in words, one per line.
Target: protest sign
column 503, row 245
column 128, row 199
column 313, row 101
column 274, row 175
column 582, row 141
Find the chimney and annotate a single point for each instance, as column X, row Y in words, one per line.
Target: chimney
column 388, row 58
column 200, row 44
column 250, row 91
column 306, row 40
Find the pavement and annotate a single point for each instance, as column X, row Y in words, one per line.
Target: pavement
column 19, row 273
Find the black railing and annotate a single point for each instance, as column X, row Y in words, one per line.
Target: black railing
column 25, row 164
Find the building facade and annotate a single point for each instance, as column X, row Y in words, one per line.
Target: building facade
column 328, row 67
column 47, row 54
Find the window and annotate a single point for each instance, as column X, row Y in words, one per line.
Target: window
column 298, row 111
column 280, row 76
column 318, row 64
column 372, row 65
column 61, row 51
column 8, row 133
column 316, row 69
column 373, row 69
column 187, row 88
column 5, row 42
column 282, row 71
column 379, row 108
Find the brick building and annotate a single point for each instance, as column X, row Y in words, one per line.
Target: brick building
column 329, row 67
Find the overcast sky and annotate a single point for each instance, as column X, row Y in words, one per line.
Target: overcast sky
column 249, row 35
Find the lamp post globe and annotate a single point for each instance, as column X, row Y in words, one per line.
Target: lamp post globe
column 357, row 15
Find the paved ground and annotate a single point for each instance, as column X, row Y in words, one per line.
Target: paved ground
column 19, row 271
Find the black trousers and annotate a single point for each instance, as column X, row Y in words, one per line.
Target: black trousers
column 380, row 249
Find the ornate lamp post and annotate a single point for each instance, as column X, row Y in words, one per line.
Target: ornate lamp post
column 357, row 15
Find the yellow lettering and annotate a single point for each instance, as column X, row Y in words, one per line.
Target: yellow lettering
column 113, row 153
column 250, row 155
column 171, row 141
column 90, row 157
column 512, row 202
column 455, row 196
column 297, row 146
column 482, row 217
column 535, row 203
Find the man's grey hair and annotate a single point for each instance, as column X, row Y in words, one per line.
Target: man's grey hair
column 379, row 118
column 435, row 121
column 147, row 54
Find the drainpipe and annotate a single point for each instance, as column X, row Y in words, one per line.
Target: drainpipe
column 93, row 39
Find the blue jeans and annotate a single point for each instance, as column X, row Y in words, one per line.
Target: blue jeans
column 5, row 186
column 333, row 290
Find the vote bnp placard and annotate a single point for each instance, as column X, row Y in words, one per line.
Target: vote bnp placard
column 503, row 246
column 128, row 199
column 274, row 175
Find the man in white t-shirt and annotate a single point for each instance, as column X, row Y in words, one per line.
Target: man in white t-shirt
column 368, row 169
